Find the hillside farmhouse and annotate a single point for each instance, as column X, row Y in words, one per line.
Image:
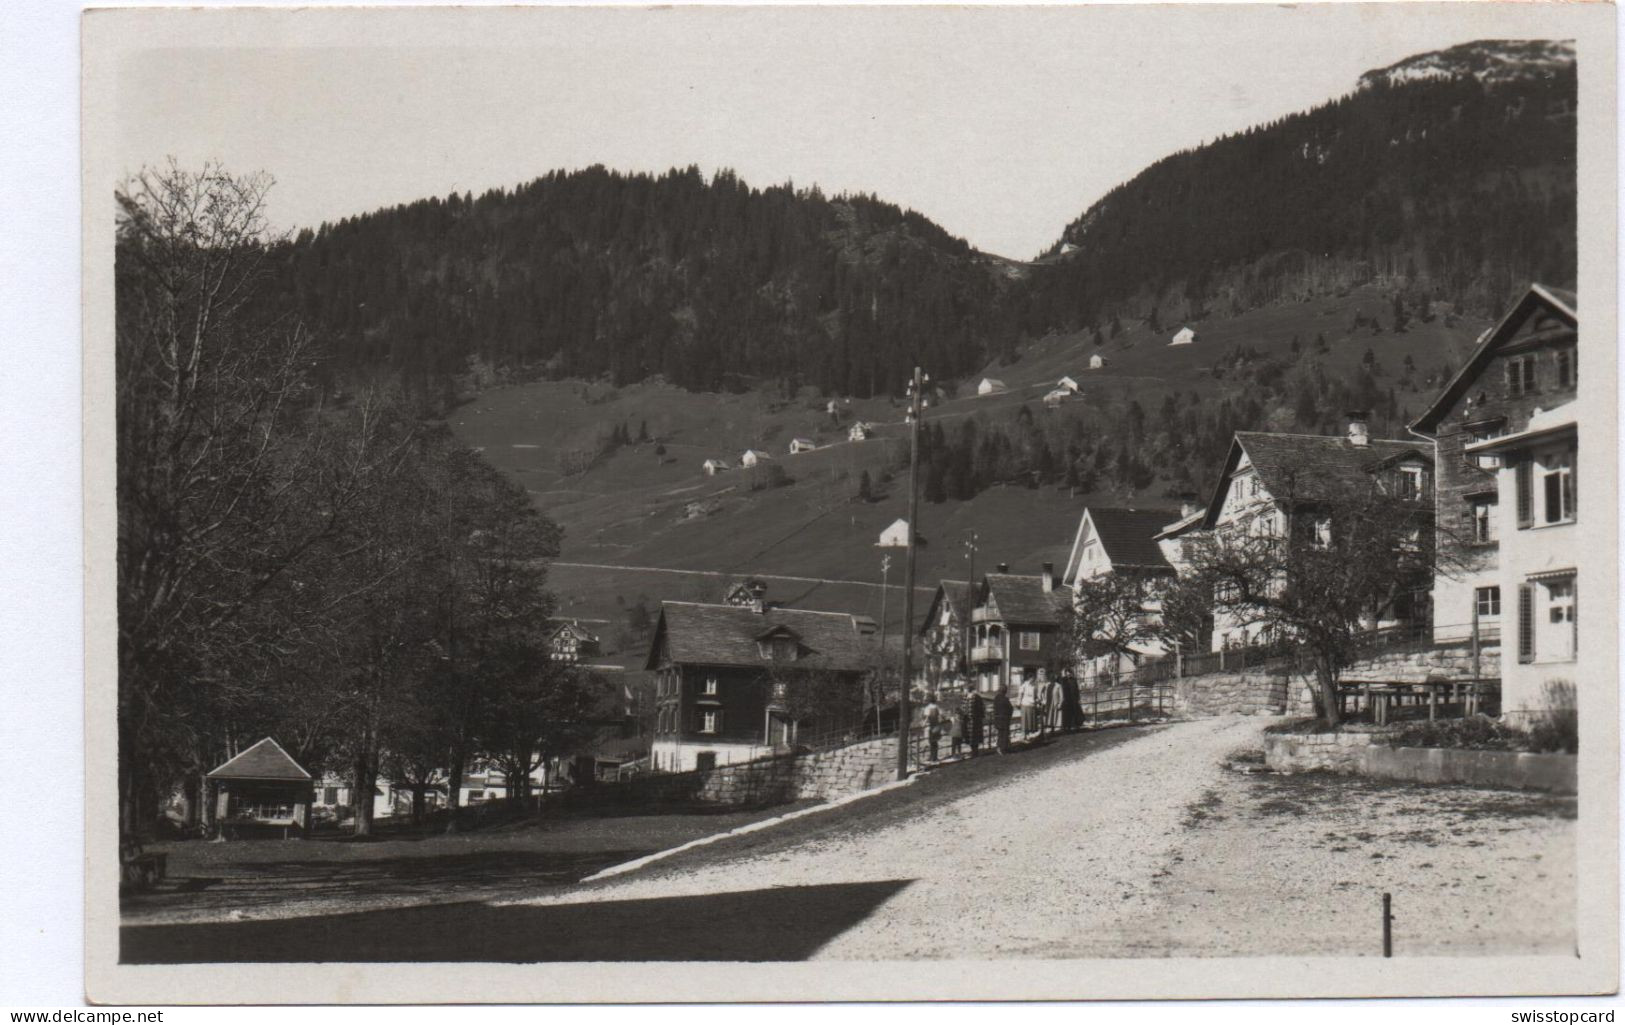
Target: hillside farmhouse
column 1506, row 433
column 1271, row 482
column 753, row 457
column 712, row 467
column 990, row 386
column 799, row 445
column 571, row 642
column 1098, row 362
column 1067, row 383
column 722, row 674
column 896, row 535
column 1056, row 397
column 1184, row 336
column 860, row 431
column 746, row 593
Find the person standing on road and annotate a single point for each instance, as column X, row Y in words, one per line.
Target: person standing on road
column 1002, row 711
column 957, row 728
column 1027, row 698
column 933, row 726
column 1055, row 706
column 977, row 714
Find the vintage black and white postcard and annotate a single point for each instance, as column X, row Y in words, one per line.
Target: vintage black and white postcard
column 859, row 502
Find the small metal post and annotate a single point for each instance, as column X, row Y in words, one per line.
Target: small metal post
column 1387, row 925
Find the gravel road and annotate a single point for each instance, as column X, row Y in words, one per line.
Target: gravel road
column 1155, row 847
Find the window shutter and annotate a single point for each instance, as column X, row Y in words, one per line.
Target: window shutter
column 1526, row 496
column 1526, row 623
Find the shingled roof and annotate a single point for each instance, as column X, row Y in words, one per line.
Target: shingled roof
column 1308, row 467
column 1129, row 536
column 727, row 635
column 1022, row 599
column 265, row 760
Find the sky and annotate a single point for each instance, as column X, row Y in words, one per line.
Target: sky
column 1000, row 124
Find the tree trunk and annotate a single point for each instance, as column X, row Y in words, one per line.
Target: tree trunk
column 1326, row 691
column 420, row 800
column 454, row 787
column 361, row 787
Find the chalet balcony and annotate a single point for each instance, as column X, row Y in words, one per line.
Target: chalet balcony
column 984, row 615
column 981, row 653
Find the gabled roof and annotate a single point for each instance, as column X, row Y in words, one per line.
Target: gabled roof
column 1307, row 466
column 727, row 635
column 265, row 760
column 758, row 453
column 992, row 382
column 955, row 591
column 1560, row 302
column 1022, row 599
column 1129, row 537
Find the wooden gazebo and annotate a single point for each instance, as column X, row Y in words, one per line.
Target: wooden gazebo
column 262, row 792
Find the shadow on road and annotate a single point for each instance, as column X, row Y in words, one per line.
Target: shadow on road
column 778, row 924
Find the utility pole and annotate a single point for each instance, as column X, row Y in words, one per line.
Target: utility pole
column 880, row 687
column 970, row 605
column 916, row 402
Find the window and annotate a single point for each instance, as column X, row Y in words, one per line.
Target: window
column 1483, row 510
column 710, row 721
column 784, row 649
column 1322, row 537
column 710, row 685
column 1029, row 640
column 1253, row 487
column 1520, row 375
column 476, row 795
column 1487, row 600
column 1557, row 486
column 330, row 795
column 705, row 761
column 1410, row 482
column 1567, row 368
column 1547, row 619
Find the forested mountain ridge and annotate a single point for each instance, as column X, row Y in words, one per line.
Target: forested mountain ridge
column 1449, row 175
column 709, row 283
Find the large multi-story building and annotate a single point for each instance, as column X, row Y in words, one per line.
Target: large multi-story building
column 721, row 672
column 1507, row 442
column 1271, row 481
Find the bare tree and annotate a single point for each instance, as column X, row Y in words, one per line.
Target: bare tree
column 1346, row 554
column 1109, row 618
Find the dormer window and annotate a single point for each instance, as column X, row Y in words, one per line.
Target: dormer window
column 779, row 645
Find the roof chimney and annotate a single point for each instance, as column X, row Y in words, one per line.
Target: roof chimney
column 1003, row 567
column 1048, row 577
column 758, row 605
column 1359, row 428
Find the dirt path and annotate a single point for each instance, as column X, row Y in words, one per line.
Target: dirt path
column 1030, row 867
column 1157, row 847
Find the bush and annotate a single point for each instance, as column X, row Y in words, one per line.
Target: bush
column 1558, row 727
column 1474, row 733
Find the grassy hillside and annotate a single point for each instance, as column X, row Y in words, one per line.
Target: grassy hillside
column 634, row 508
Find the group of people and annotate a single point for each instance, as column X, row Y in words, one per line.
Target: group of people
column 972, row 719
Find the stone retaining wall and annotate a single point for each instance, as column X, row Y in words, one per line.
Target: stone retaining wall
column 820, row 776
column 1371, row 753
column 1282, row 692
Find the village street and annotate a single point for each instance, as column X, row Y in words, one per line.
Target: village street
column 1150, row 841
